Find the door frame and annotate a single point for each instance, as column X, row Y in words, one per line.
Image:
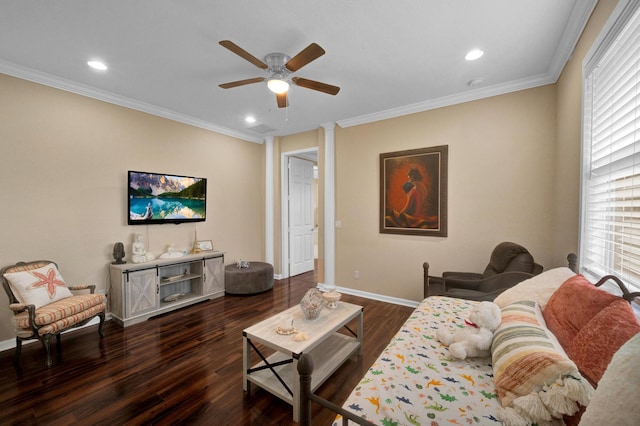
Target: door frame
column 284, row 203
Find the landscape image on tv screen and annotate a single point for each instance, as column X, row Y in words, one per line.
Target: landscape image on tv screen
column 163, row 198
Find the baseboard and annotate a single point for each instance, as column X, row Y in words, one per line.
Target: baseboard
column 368, row 295
column 6, row 345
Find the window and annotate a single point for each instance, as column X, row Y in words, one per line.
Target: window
column 610, row 222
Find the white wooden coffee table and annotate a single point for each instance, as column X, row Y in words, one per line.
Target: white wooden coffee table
column 329, row 349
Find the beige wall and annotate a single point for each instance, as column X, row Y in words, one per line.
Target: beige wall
column 64, row 168
column 501, row 181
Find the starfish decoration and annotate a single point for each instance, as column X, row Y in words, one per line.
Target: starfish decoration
column 49, row 281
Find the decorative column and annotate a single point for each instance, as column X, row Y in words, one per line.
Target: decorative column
column 268, row 197
column 329, row 207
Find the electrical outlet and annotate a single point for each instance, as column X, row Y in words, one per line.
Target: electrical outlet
column 356, row 275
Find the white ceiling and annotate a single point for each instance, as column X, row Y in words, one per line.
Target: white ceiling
column 389, row 58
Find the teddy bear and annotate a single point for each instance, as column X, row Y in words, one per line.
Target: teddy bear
column 474, row 339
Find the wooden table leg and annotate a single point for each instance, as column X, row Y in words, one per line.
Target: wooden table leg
column 360, row 331
column 246, row 363
column 296, row 390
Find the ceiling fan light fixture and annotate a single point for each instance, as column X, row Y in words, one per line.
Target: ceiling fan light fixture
column 276, row 85
column 279, row 68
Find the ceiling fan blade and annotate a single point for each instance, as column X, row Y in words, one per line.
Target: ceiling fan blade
column 316, row 85
column 243, row 54
column 283, row 102
column 241, row 82
column 308, row 54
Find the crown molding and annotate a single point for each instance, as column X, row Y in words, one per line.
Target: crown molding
column 578, row 20
column 472, row 95
column 101, row 95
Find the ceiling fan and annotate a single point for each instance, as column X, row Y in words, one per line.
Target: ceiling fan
column 279, row 67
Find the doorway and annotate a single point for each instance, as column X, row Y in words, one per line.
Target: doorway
column 299, row 211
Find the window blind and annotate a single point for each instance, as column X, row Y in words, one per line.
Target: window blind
column 610, row 233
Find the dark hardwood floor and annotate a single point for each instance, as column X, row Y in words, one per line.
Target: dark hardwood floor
column 184, row 367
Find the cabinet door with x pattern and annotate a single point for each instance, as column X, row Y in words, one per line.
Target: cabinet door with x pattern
column 142, row 292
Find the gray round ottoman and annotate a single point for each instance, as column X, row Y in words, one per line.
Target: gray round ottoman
column 258, row 277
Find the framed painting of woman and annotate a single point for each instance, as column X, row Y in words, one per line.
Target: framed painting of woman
column 413, row 192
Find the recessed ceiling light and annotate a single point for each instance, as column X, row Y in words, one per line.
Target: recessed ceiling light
column 97, row 65
column 250, row 119
column 474, row 54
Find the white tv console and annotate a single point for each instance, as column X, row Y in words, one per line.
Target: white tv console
column 142, row 290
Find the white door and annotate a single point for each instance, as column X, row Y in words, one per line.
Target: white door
column 301, row 224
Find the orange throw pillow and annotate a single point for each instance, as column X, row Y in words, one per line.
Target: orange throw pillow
column 597, row 342
column 572, row 306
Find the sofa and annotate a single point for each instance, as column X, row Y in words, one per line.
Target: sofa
column 564, row 347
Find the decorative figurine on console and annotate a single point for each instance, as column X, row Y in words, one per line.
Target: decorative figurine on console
column 171, row 253
column 118, row 254
column 196, row 248
column 139, row 251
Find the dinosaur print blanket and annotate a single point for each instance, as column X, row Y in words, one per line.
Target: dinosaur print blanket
column 414, row 381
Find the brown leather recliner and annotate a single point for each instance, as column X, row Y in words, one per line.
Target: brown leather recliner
column 510, row 264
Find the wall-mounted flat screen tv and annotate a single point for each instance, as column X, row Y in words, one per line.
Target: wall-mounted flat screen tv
column 155, row 198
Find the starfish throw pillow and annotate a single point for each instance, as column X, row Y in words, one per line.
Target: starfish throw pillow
column 38, row 287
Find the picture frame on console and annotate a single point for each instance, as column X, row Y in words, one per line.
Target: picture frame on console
column 413, row 191
column 204, row 245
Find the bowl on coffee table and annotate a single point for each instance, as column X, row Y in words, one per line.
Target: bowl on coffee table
column 332, row 298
